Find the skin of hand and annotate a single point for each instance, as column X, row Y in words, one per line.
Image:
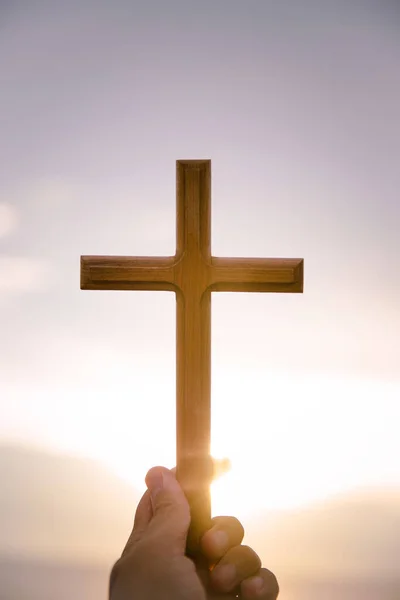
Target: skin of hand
column 154, row 566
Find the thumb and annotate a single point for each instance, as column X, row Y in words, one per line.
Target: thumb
column 171, row 513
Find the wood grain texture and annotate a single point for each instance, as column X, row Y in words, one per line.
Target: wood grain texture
column 193, row 274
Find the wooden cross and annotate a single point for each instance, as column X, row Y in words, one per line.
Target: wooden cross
column 193, row 274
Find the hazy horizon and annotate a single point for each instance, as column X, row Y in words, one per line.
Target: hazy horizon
column 353, row 536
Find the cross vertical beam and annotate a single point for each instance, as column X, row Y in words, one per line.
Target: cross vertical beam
column 193, row 332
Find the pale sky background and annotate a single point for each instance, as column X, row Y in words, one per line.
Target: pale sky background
column 297, row 105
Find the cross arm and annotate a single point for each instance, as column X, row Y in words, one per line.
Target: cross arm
column 127, row 273
column 256, row 275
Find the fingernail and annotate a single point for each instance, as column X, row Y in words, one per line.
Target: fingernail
column 226, row 575
column 219, row 541
column 154, row 482
column 256, row 584
column 159, row 478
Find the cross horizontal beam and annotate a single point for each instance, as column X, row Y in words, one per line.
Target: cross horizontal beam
column 164, row 273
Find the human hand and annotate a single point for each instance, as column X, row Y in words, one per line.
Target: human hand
column 153, row 565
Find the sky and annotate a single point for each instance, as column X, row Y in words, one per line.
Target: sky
column 297, row 106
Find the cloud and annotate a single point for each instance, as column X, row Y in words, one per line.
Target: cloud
column 8, row 219
column 42, row 193
column 22, row 274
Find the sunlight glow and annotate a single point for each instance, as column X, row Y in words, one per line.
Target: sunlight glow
column 315, row 437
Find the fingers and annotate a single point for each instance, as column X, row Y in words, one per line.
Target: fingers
column 238, row 566
column 163, row 495
column 239, row 563
column 171, row 513
column 241, row 568
column 263, row 586
column 225, row 533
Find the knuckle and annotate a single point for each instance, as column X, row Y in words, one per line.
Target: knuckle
column 236, row 524
column 129, row 564
column 251, row 555
column 231, row 525
column 115, row 574
column 124, row 576
column 271, row 582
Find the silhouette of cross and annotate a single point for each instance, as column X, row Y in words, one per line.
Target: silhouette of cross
column 193, row 274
